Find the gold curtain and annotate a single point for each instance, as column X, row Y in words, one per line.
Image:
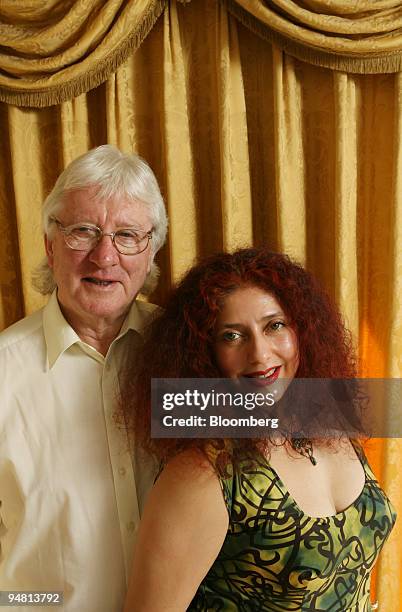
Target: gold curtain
column 55, row 50
column 250, row 145
column 52, row 50
column 361, row 37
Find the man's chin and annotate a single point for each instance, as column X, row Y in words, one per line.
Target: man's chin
column 103, row 303
column 105, row 306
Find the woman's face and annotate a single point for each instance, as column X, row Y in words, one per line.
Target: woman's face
column 253, row 338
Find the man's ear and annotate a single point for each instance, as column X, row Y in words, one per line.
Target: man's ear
column 49, row 250
column 150, row 262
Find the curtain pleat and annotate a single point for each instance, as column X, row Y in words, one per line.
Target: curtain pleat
column 395, row 263
column 250, row 146
column 288, row 141
column 345, row 199
column 235, row 191
column 177, row 148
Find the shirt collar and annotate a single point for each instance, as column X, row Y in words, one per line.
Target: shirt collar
column 133, row 320
column 59, row 335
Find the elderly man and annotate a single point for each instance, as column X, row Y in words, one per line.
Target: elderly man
column 69, row 494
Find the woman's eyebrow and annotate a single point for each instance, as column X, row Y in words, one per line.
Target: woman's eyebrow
column 268, row 317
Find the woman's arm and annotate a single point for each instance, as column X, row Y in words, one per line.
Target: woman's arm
column 180, row 535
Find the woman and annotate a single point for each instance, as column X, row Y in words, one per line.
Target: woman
column 251, row 524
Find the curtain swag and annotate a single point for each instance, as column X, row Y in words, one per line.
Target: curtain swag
column 53, row 51
column 356, row 36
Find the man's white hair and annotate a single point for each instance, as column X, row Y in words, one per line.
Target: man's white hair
column 114, row 174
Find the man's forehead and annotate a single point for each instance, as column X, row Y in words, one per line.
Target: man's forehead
column 87, row 204
column 96, row 197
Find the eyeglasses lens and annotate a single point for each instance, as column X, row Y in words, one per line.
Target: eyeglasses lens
column 126, row 241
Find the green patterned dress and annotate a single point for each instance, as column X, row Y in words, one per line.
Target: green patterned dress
column 276, row 558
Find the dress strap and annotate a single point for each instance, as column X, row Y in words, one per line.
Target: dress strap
column 220, row 455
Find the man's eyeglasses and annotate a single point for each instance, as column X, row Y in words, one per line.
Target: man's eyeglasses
column 85, row 237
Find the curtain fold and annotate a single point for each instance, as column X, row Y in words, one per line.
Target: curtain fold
column 356, row 37
column 51, row 52
column 176, row 139
column 345, row 191
column 49, row 56
column 250, row 146
column 288, row 142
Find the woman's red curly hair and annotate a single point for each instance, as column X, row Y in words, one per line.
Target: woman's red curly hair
column 179, row 342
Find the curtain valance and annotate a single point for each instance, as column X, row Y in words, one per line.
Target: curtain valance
column 53, row 50
column 357, row 36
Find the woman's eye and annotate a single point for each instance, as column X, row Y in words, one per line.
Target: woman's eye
column 231, row 336
column 276, row 325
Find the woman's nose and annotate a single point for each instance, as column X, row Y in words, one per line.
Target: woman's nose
column 260, row 349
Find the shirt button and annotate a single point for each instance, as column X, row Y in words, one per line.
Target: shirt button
column 122, row 471
column 131, row 526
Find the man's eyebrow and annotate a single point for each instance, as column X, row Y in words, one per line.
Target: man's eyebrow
column 118, row 225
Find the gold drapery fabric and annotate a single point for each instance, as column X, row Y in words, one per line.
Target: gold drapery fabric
column 358, row 37
column 250, row 146
column 52, row 50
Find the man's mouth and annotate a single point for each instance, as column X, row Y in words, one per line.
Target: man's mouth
column 97, row 281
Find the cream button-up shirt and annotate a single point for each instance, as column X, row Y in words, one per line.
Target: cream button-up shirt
column 69, row 498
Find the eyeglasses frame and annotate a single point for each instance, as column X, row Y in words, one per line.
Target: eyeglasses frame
column 65, row 231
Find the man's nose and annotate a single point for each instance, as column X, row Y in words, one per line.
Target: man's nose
column 104, row 254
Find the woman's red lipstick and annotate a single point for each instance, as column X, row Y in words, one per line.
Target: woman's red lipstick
column 260, row 378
